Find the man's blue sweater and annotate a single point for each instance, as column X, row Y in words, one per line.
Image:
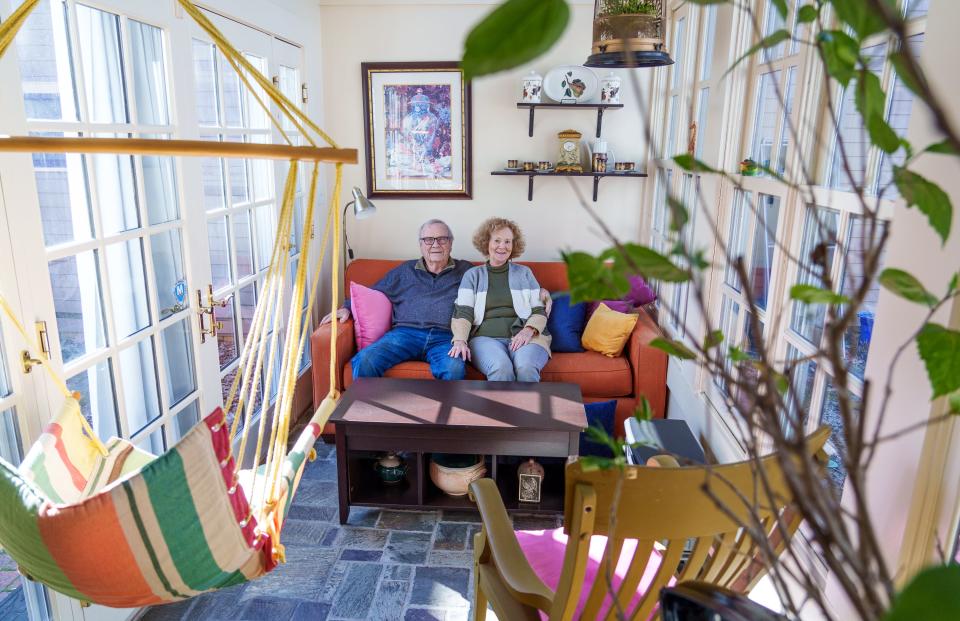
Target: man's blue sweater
column 420, row 298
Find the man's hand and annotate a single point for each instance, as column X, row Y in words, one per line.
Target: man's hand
column 460, row 349
column 342, row 315
column 547, row 301
column 521, row 338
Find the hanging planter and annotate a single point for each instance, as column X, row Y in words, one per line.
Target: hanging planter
column 628, row 33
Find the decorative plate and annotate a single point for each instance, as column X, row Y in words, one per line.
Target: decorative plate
column 571, row 83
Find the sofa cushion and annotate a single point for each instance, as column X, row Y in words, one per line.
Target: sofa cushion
column 566, row 323
column 600, row 414
column 597, row 375
column 607, row 331
column 372, row 314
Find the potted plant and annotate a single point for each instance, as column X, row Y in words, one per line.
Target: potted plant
column 621, row 25
column 749, row 168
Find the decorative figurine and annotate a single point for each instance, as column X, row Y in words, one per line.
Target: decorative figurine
column 531, row 480
column 532, row 85
column 569, row 160
column 610, row 89
column 391, row 468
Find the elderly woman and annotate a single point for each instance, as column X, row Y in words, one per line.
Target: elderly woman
column 499, row 321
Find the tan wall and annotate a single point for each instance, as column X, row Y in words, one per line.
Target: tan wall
column 554, row 220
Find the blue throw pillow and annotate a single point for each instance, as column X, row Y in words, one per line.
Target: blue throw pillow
column 601, row 414
column 565, row 324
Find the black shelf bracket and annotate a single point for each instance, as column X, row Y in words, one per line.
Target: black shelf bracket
column 596, row 177
column 598, row 107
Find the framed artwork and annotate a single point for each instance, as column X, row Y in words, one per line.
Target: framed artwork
column 417, row 130
column 530, row 487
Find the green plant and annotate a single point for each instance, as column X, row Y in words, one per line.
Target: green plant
column 768, row 410
column 629, row 7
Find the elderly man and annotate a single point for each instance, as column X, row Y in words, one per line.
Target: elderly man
column 422, row 292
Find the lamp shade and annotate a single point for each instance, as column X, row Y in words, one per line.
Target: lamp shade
column 362, row 207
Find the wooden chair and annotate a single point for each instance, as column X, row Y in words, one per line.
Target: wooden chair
column 677, row 532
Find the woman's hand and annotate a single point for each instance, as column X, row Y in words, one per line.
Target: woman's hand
column 521, row 338
column 460, row 349
column 546, row 300
column 342, row 315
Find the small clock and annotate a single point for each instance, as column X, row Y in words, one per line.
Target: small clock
column 569, row 160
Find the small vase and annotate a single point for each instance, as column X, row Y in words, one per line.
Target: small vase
column 532, row 85
column 391, row 469
column 610, row 89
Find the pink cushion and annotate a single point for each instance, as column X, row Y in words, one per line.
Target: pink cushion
column 545, row 550
column 372, row 314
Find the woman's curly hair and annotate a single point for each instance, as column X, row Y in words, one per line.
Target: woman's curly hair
column 481, row 239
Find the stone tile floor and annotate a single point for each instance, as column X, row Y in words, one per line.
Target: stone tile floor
column 383, row 565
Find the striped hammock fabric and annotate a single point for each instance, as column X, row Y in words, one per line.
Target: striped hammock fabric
column 164, row 529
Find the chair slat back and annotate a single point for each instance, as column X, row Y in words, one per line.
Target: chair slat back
column 697, row 534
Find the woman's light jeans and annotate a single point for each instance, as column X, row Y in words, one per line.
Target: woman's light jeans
column 493, row 358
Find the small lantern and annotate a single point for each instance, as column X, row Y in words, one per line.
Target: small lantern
column 628, row 33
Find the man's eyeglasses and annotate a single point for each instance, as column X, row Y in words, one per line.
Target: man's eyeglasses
column 429, row 241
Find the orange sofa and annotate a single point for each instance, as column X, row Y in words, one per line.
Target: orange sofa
column 640, row 370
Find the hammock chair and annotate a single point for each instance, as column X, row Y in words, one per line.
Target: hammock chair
column 113, row 525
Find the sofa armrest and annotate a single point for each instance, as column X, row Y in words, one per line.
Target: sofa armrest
column 649, row 364
column 320, row 358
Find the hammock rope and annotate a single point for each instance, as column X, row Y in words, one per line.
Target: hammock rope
column 276, row 468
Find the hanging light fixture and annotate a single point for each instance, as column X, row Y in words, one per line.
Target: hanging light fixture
column 628, row 33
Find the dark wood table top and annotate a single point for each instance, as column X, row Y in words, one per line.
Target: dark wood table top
column 549, row 406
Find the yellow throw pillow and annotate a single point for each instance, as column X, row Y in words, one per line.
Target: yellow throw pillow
column 607, row 331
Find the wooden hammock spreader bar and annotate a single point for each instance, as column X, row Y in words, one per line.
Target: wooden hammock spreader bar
column 192, row 148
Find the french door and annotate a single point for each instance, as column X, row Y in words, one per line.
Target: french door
column 115, row 256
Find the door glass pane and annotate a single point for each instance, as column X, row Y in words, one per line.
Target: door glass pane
column 242, row 243
column 679, row 36
column 62, row 194
column 836, row 446
column 11, row 448
column 178, row 356
column 772, row 22
column 856, row 142
column 46, row 71
column 112, row 177
column 305, row 356
column 898, row 116
column 266, row 231
column 98, row 33
column 785, row 134
column 729, row 318
column 6, row 388
column 95, row 386
column 160, row 187
column 856, row 340
column 802, row 376
column 820, row 229
column 256, row 115
column 227, row 335
column 219, row 252
column 214, row 191
column 230, row 83
column 917, row 8
column 239, row 184
column 248, row 302
column 710, row 27
column 672, row 122
column 765, row 122
column 170, row 278
column 138, row 373
column 128, row 287
column 183, row 422
column 738, row 234
column 702, row 108
column 764, row 243
column 76, row 298
column 205, row 83
column 262, row 173
column 152, row 444
column 149, row 74
column 289, row 86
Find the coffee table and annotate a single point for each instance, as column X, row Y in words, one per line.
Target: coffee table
column 503, row 421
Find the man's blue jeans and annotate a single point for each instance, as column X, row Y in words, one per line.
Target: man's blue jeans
column 401, row 344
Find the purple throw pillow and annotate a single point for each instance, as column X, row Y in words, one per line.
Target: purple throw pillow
column 621, row 306
column 640, row 292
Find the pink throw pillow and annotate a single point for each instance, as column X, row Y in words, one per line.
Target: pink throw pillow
column 372, row 314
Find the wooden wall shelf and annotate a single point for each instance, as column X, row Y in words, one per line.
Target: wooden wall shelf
column 569, row 106
column 596, row 177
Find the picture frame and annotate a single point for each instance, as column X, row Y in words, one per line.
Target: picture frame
column 417, row 130
column 529, row 488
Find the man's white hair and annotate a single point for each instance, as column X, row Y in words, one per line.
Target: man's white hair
column 434, row 221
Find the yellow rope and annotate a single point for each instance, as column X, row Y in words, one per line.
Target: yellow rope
column 9, row 28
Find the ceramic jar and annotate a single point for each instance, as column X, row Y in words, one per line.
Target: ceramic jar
column 610, row 89
column 532, row 85
column 453, row 474
column 390, row 468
